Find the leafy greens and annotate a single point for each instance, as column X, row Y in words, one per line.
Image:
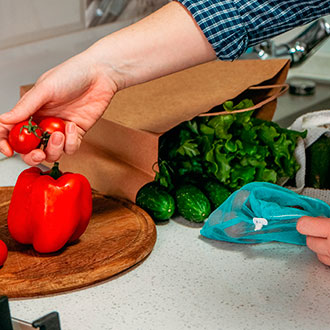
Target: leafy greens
column 234, row 149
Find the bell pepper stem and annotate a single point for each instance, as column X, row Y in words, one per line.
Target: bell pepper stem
column 55, row 172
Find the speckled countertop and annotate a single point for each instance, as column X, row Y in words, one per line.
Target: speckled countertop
column 187, row 282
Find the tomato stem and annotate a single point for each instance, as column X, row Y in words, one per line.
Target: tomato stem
column 45, row 138
column 31, row 128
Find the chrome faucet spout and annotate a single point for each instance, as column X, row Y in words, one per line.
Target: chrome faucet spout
column 299, row 49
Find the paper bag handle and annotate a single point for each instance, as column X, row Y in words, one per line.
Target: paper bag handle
column 282, row 88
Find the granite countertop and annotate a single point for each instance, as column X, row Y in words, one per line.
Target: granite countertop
column 190, row 282
column 187, row 282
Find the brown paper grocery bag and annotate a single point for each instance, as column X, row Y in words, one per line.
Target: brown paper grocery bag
column 118, row 153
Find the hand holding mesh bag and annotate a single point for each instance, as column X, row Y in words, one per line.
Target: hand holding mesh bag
column 262, row 212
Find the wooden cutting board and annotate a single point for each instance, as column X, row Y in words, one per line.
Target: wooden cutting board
column 119, row 236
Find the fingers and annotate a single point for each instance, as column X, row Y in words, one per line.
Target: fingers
column 324, row 259
column 318, row 236
column 34, row 99
column 319, row 245
column 34, row 157
column 51, row 154
column 318, row 227
column 57, row 143
column 55, row 147
column 5, row 148
column 71, row 138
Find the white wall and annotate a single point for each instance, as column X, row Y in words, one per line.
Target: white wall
column 24, row 21
column 24, row 63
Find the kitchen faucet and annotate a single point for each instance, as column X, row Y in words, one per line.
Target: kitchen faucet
column 299, row 49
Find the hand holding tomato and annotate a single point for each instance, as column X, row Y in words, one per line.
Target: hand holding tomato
column 25, row 136
column 28, row 137
column 77, row 91
column 50, row 125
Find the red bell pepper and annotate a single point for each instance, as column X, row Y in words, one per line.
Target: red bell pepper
column 49, row 209
column 3, row 252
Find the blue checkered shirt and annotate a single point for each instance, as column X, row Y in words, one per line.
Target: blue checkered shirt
column 231, row 26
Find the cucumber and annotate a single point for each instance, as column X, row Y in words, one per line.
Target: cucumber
column 192, row 204
column 216, row 193
column 318, row 164
column 156, row 201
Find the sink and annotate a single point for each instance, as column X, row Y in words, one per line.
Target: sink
column 291, row 106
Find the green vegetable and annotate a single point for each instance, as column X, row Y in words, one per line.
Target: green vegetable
column 232, row 149
column 192, row 204
column 318, row 164
column 155, row 200
column 224, row 152
column 163, row 177
column 216, row 193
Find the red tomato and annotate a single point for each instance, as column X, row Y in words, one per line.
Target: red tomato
column 3, row 252
column 52, row 124
column 25, row 136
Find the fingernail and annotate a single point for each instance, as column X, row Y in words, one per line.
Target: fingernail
column 71, row 127
column 57, row 139
column 37, row 158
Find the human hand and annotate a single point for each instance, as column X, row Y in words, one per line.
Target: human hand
column 317, row 231
column 77, row 91
column 80, row 89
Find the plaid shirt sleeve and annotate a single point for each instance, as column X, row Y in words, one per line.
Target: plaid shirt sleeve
column 231, row 26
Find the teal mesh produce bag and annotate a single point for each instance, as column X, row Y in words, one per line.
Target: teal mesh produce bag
column 262, row 212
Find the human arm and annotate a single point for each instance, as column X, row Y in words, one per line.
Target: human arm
column 173, row 38
column 317, row 231
column 233, row 26
column 80, row 89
